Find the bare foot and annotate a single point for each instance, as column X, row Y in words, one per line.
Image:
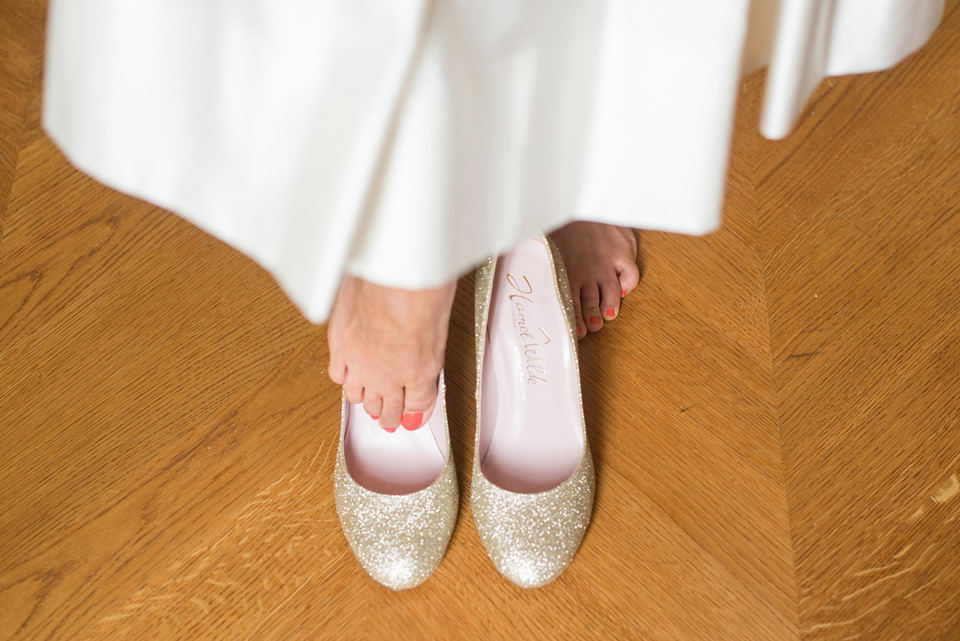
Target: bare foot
column 387, row 347
column 601, row 262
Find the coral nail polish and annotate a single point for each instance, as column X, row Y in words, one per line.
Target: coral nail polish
column 594, row 319
column 391, row 430
column 376, row 418
column 623, row 293
column 611, row 313
column 412, row 420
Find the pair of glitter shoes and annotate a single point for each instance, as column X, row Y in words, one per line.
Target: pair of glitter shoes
column 533, row 480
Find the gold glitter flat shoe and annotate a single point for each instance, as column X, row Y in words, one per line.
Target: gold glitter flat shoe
column 396, row 494
column 533, row 481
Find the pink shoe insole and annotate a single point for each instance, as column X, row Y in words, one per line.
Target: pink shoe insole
column 530, row 422
column 399, row 463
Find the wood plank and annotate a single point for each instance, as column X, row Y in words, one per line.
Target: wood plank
column 860, row 213
column 21, row 33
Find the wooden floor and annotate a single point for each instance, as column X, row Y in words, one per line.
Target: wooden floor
column 775, row 415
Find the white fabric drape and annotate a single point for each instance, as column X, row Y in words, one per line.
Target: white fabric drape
column 405, row 140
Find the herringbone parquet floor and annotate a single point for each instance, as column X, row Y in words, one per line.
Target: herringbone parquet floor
column 775, row 415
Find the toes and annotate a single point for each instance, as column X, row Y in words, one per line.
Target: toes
column 373, row 405
column 353, row 392
column 610, row 295
column 578, row 314
column 590, row 303
column 337, row 371
column 593, row 318
column 418, row 403
column 391, row 412
column 628, row 274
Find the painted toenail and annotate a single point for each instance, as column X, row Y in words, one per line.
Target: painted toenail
column 391, row 430
column 623, row 293
column 376, row 418
column 594, row 319
column 411, row 421
column 611, row 313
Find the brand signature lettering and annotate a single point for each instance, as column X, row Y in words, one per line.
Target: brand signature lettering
column 536, row 372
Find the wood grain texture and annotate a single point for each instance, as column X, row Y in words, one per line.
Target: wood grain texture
column 774, row 415
column 21, row 30
column 863, row 288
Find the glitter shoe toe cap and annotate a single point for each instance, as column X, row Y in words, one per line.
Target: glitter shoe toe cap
column 532, row 538
column 399, row 540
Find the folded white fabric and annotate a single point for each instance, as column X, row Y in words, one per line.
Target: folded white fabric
column 405, row 140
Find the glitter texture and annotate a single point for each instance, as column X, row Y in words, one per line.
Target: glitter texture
column 399, row 539
column 531, row 538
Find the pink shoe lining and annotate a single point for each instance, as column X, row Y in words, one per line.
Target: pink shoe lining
column 399, row 463
column 531, row 437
